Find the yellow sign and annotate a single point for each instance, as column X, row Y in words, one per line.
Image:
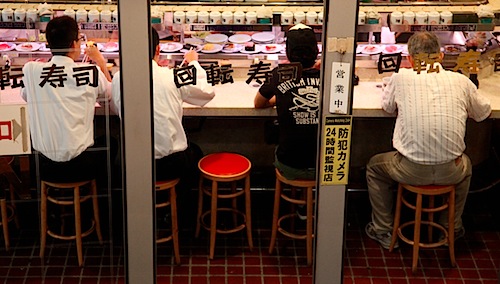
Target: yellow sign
column 335, row 150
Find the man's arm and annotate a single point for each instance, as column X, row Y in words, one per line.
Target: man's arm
column 262, row 102
column 116, row 95
column 201, row 93
column 96, row 56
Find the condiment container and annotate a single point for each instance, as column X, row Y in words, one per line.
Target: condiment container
column 70, row 13
column 81, row 16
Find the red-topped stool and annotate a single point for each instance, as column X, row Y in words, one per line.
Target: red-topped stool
column 448, row 191
column 225, row 168
column 169, row 185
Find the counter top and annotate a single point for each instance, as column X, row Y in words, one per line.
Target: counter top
column 236, row 100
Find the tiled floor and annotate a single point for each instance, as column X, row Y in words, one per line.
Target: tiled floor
column 478, row 256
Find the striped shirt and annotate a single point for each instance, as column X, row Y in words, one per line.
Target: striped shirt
column 432, row 111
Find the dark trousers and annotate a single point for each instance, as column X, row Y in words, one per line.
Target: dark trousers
column 90, row 164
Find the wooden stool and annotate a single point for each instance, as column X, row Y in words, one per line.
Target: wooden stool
column 431, row 191
column 76, row 202
column 309, row 203
column 6, row 218
column 172, row 202
column 224, row 167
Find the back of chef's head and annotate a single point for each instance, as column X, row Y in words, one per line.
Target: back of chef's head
column 301, row 45
column 61, row 32
column 155, row 41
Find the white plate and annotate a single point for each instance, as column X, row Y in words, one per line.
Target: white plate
column 170, row 47
column 7, row 46
column 216, row 38
column 271, row 48
column 240, row 38
column 236, row 48
column 263, row 37
column 27, row 46
column 258, row 48
column 216, row 48
column 192, row 40
column 108, row 47
column 392, row 48
column 371, row 49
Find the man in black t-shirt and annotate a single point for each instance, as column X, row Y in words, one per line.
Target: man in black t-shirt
column 297, row 104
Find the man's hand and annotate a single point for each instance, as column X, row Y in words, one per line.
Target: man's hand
column 95, row 55
column 191, row 56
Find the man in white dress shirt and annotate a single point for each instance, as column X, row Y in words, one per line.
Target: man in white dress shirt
column 432, row 110
column 172, row 155
column 61, row 96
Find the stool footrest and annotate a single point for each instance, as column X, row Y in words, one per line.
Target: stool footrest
column 422, row 244
column 72, row 237
column 425, row 209
column 224, row 231
column 224, row 195
column 62, row 202
column 161, row 205
column 164, row 240
column 287, row 233
column 293, row 200
column 10, row 215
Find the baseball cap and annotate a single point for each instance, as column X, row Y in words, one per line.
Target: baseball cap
column 301, row 45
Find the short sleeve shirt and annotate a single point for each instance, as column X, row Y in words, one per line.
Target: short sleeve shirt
column 297, row 105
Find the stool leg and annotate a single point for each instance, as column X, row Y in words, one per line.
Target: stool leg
column 397, row 218
column 451, row 227
column 43, row 218
column 416, row 234
column 248, row 212
column 78, row 226
column 5, row 223
column 175, row 228
column 309, row 229
column 234, row 203
column 276, row 211
column 431, row 218
column 95, row 205
column 13, row 204
column 293, row 207
column 200, row 207
column 213, row 219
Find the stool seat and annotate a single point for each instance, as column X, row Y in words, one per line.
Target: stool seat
column 226, row 168
column 429, row 191
column 308, row 201
column 224, row 165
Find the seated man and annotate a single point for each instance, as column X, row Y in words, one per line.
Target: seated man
column 297, row 107
column 432, row 110
column 172, row 154
column 61, row 96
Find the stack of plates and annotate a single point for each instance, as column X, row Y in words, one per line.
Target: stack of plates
column 240, row 38
column 216, row 38
column 263, row 37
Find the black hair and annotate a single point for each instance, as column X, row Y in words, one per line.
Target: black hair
column 155, row 41
column 301, row 46
column 61, row 32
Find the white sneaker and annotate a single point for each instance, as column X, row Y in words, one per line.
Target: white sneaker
column 383, row 239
